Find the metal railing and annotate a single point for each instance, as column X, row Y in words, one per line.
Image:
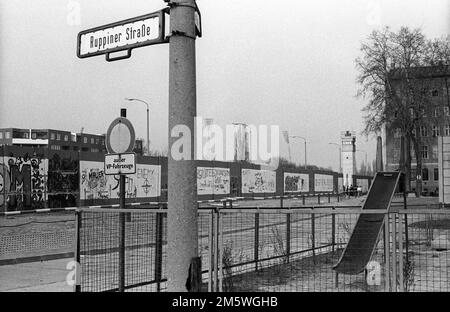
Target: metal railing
column 270, row 249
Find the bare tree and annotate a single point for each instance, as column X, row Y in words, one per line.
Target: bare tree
column 390, row 78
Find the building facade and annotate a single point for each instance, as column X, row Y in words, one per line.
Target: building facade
column 435, row 83
column 58, row 140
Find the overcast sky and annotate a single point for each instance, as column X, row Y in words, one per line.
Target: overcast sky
column 288, row 63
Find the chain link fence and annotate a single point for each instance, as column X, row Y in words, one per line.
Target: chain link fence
column 269, row 249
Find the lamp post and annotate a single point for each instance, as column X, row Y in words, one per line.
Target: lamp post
column 300, row 137
column 340, row 155
column 148, row 125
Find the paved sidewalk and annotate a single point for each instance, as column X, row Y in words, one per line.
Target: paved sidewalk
column 47, row 276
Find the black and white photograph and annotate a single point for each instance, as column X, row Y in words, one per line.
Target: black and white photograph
column 224, row 152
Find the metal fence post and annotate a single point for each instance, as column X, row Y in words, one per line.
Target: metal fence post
column 318, row 199
column 121, row 251
column 394, row 252
column 400, row 247
column 288, row 236
column 216, row 251
column 210, row 251
column 256, row 247
column 313, row 235
column 329, row 198
column 386, row 253
column 77, row 285
column 303, row 200
column 333, row 230
column 220, row 253
column 158, row 249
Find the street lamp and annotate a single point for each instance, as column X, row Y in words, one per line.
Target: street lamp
column 300, row 137
column 340, row 155
column 148, row 125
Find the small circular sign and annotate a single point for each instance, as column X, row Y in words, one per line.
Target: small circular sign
column 120, row 137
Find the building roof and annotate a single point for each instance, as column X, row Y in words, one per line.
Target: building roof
column 423, row 72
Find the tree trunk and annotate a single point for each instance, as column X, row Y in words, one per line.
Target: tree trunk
column 417, row 147
column 408, row 163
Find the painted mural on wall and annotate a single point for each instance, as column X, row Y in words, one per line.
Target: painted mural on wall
column 213, row 181
column 323, row 183
column 296, row 182
column 258, row 181
column 94, row 184
column 23, row 182
column 364, row 183
column 62, row 182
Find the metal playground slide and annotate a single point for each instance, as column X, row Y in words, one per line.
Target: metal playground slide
column 363, row 240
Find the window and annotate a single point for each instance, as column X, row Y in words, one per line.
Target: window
column 7, row 135
column 25, row 135
column 103, row 141
column 97, row 141
column 85, row 140
column 436, row 174
column 447, row 130
column 435, row 131
column 55, row 147
column 425, row 174
column 66, row 137
column 58, row 136
column 434, row 152
column 423, row 131
column 1, row 135
column 92, row 140
column 33, row 135
column 434, row 92
column 425, row 152
column 52, row 136
column 446, row 111
column 95, row 150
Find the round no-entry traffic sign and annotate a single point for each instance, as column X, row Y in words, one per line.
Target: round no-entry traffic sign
column 120, row 137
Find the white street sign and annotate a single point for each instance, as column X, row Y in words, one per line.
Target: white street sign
column 124, row 35
column 120, row 163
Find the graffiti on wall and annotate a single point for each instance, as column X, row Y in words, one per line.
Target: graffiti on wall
column 95, row 184
column 23, row 182
column 296, row 182
column 213, row 181
column 323, row 183
column 258, row 181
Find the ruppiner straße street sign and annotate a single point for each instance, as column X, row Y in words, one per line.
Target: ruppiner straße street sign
column 124, row 35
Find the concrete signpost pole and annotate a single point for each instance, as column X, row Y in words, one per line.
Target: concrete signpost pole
column 182, row 177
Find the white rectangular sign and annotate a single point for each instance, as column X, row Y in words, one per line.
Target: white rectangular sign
column 296, row 182
column 95, row 184
column 323, row 183
column 120, row 163
column 124, row 35
column 213, row 181
column 258, row 181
